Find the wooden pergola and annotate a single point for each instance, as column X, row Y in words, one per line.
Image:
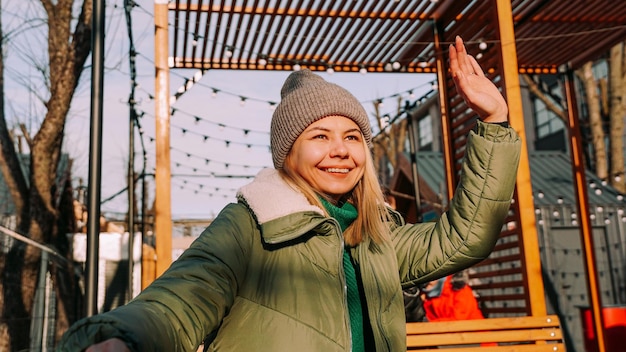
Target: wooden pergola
column 508, row 37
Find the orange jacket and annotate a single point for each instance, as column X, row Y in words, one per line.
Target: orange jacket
column 452, row 304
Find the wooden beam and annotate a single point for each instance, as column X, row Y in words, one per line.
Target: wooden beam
column 162, row 176
column 586, row 231
column 525, row 204
column 444, row 106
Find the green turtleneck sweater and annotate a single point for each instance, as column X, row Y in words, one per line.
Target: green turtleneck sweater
column 345, row 215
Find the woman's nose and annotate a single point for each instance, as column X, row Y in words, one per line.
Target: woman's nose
column 338, row 148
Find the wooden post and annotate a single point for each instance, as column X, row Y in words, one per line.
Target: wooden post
column 148, row 265
column 162, row 177
column 510, row 75
column 586, row 231
column 444, row 109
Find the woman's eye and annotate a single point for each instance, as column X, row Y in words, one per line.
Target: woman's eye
column 319, row 136
column 353, row 137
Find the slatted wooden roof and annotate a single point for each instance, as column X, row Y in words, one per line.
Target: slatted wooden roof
column 349, row 35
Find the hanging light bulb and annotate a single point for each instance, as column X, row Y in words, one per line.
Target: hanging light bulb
column 363, row 70
column 330, row 70
column 262, row 61
column 396, row 65
column 296, row 67
column 482, row 45
column 229, row 52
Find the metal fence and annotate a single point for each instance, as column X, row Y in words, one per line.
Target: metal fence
column 43, row 316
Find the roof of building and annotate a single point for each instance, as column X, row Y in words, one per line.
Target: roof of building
column 551, row 177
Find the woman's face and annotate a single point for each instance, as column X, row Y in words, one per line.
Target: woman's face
column 330, row 156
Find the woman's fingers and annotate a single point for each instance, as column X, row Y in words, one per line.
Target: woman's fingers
column 461, row 63
column 465, row 63
column 476, row 67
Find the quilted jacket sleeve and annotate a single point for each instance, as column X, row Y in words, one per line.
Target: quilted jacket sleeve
column 468, row 231
column 167, row 317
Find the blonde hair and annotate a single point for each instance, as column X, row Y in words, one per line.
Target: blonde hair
column 367, row 198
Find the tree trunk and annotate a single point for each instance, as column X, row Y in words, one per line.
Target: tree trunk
column 388, row 143
column 617, row 114
column 595, row 121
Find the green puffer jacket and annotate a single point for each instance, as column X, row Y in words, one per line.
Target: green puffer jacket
column 267, row 274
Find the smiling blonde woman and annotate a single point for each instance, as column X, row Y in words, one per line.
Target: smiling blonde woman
column 310, row 258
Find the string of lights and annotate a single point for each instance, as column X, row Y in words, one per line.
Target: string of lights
column 206, row 161
column 184, row 131
column 194, row 80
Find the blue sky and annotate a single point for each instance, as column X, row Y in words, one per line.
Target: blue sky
column 209, row 135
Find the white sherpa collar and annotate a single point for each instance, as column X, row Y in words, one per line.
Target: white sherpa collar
column 270, row 197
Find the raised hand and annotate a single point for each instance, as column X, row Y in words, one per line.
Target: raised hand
column 479, row 93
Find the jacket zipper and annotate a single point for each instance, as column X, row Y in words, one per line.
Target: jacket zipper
column 381, row 337
column 342, row 275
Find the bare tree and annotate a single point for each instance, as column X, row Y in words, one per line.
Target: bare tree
column 389, row 142
column 36, row 200
column 606, row 105
column 617, row 114
column 596, row 125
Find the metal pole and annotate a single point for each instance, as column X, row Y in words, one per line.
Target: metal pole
column 38, row 332
column 95, row 156
column 131, row 151
column 131, row 201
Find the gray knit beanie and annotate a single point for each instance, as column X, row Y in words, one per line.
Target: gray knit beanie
column 306, row 98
